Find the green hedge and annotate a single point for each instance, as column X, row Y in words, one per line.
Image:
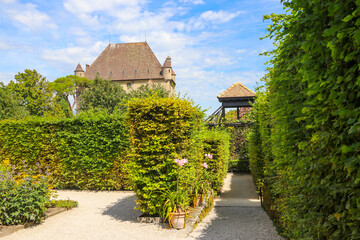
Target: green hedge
column 161, row 131
column 164, row 129
column 216, row 142
column 311, row 116
column 86, row 152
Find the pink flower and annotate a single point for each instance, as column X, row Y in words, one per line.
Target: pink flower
column 213, row 170
column 204, row 165
column 181, row 162
column 208, row 155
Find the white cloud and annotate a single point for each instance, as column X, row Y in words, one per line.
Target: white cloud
column 28, row 17
column 212, row 17
column 7, row 1
column 71, row 56
column 241, row 51
column 97, row 12
column 4, row 45
column 6, row 77
column 196, row 2
column 218, row 17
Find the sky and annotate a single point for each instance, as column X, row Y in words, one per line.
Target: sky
column 213, row 43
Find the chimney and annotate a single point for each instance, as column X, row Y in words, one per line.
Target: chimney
column 87, row 66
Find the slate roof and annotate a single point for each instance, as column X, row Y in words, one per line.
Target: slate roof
column 126, row 61
column 237, row 90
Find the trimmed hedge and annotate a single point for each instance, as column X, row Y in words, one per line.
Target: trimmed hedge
column 216, row 142
column 312, row 117
column 86, row 152
column 165, row 129
column 161, row 131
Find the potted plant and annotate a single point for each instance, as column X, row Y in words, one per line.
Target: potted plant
column 176, row 201
column 175, row 208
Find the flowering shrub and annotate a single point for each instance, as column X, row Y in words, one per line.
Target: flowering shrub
column 23, row 195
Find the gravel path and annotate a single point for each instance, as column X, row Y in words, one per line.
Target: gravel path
column 237, row 214
column 111, row 215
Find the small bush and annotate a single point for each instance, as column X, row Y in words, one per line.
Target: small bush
column 23, row 195
column 68, row 204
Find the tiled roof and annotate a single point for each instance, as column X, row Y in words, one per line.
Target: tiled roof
column 79, row 68
column 237, row 90
column 126, row 61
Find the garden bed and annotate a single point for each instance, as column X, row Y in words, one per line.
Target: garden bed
column 51, row 211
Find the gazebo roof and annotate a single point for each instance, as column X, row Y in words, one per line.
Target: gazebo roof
column 237, row 90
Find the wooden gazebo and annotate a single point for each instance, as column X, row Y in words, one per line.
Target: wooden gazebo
column 237, row 96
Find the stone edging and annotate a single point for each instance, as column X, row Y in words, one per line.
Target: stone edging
column 7, row 230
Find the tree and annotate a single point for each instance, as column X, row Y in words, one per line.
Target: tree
column 70, row 85
column 103, row 94
column 147, row 90
column 33, row 91
column 10, row 105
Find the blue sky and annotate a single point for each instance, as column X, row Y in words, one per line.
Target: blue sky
column 213, row 44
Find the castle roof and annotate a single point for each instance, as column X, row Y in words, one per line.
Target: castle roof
column 79, row 68
column 126, row 61
column 235, row 91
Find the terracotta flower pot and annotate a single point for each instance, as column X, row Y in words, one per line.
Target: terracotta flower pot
column 197, row 201
column 178, row 220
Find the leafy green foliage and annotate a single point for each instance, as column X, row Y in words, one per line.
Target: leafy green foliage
column 146, row 90
column 33, row 90
column 85, row 152
column 70, row 85
column 23, row 196
column 68, row 204
column 10, row 107
column 307, row 130
column 165, row 129
column 102, row 94
column 216, row 143
column 160, row 130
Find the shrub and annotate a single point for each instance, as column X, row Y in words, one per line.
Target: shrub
column 68, row 204
column 23, row 196
column 216, row 143
column 161, row 130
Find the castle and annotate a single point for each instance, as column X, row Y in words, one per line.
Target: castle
column 131, row 65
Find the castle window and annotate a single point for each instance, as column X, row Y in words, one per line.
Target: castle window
column 169, row 70
column 123, row 71
column 110, row 72
column 148, row 70
column 128, row 85
column 135, row 71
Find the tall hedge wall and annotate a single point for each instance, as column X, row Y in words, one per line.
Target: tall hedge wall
column 86, row 152
column 161, row 131
column 164, row 129
column 312, row 111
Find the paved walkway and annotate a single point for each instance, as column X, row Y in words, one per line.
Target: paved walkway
column 237, row 214
column 111, row 215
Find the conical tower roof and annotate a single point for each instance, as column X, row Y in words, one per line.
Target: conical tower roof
column 79, row 68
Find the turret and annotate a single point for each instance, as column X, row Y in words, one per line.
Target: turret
column 79, row 71
column 166, row 69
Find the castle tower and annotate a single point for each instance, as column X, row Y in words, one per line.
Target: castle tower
column 79, row 71
column 166, row 69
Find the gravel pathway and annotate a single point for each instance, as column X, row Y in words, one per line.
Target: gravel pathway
column 111, row 215
column 237, row 214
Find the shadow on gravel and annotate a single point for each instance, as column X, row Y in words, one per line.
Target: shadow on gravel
column 242, row 223
column 123, row 210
